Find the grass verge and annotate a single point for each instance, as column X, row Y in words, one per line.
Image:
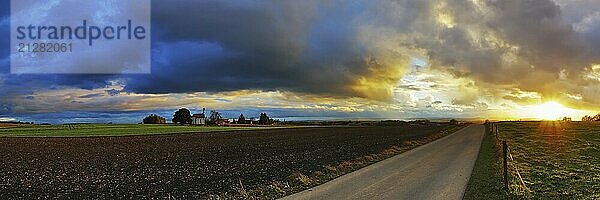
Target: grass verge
column 486, row 178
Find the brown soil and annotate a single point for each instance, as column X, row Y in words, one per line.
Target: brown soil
column 185, row 165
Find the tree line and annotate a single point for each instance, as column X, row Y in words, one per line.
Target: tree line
column 154, row 119
column 587, row 118
column 184, row 116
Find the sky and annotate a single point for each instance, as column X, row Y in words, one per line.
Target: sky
column 358, row 59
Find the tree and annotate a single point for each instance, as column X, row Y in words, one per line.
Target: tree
column 453, row 122
column 264, row 119
column 154, row 119
column 214, row 116
column 586, row 118
column 241, row 119
column 590, row 118
column 182, row 116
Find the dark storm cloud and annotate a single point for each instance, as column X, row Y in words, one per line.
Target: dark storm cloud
column 537, row 27
column 480, row 41
column 305, row 46
column 4, row 35
column 214, row 46
column 313, row 46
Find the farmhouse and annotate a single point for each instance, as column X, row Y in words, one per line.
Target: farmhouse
column 222, row 122
column 199, row 119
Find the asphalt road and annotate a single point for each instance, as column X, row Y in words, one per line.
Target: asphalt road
column 438, row 170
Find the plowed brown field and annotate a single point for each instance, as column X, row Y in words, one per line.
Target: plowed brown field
column 188, row 165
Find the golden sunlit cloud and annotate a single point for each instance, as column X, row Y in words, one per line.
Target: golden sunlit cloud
column 444, row 16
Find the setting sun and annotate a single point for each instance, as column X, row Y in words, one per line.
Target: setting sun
column 552, row 110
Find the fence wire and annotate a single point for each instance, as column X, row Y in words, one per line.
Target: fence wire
column 516, row 183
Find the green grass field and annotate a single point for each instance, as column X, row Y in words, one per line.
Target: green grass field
column 92, row 130
column 557, row 160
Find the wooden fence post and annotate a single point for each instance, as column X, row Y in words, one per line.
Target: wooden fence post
column 504, row 152
column 496, row 131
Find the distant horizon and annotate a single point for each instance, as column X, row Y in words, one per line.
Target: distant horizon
column 295, row 119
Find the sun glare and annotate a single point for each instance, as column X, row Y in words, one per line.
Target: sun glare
column 552, row 110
